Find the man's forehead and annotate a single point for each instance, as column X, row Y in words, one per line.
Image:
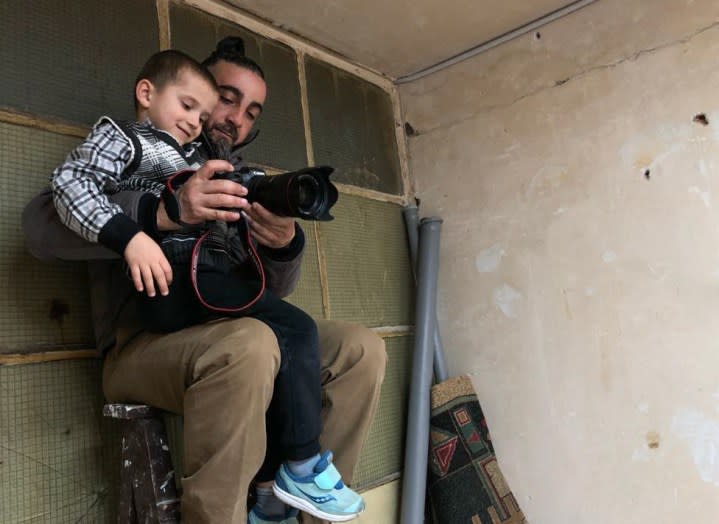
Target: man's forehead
column 240, row 79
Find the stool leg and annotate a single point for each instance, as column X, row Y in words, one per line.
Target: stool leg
column 126, row 511
column 152, row 478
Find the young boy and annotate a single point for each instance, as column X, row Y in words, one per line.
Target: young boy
column 173, row 98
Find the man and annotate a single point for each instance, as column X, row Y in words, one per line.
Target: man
column 220, row 375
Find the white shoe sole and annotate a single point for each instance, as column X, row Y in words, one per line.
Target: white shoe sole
column 303, row 505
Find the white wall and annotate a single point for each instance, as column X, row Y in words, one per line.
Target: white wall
column 582, row 296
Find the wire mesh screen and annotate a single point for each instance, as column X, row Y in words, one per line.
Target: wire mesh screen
column 352, row 126
column 59, row 458
column 77, row 59
column 281, row 142
column 74, row 59
column 382, row 454
column 41, row 304
column 368, row 268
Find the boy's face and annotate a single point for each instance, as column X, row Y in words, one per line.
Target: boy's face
column 180, row 107
column 242, row 96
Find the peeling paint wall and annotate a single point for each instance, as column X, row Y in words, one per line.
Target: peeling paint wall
column 577, row 172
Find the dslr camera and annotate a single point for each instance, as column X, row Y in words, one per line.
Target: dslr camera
column 307, row 193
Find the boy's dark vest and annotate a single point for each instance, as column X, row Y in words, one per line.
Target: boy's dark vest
column 156, row 159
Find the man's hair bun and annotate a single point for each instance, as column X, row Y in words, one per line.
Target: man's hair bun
column 231, row 45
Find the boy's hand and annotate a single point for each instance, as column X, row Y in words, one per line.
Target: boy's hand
column 148, row 265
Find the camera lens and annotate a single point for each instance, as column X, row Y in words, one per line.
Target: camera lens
column 306, row 194
column 307, row 189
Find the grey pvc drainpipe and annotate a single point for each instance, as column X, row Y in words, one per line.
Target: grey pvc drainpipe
column 411, row 221
column 494, row 42
column 414, row 477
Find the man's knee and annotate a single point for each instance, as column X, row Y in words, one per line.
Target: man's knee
column 352, row 349
column 373, row 360
column 246, row 348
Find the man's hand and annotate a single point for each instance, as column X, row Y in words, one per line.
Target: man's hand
column 269, row 229
column 148, row 265
column 201, row 198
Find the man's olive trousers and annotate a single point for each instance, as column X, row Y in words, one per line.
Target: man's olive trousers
column 219, row 377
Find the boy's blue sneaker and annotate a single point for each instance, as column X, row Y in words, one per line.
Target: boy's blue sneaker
column 256, row 517
column 322, row 494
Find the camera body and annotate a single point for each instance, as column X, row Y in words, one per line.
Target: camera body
column 307, row 193
column 241, row 176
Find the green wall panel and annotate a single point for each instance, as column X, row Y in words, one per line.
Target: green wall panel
column 74, row 59
column 281, row 142
column 383, row 453
column 368, row 267
column 352, row 125
column 59, row 458
column 33, row 289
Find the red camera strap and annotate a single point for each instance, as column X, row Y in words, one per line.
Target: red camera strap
column 253, row 255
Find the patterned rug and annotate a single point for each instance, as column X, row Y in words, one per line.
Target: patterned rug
column 465, row 484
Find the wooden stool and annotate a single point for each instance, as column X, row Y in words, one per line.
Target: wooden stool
column 147, row 478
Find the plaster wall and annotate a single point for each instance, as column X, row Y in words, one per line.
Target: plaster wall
column 579, row 282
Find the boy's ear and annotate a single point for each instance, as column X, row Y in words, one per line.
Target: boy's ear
column 143, row 93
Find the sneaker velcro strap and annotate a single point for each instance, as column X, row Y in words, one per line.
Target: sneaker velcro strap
column 329, row 478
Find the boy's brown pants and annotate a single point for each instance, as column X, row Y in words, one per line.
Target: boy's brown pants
column 220, row 377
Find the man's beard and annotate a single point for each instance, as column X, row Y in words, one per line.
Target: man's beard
column 223, row 139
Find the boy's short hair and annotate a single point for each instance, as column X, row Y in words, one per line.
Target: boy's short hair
column 232, row 49
column 164, row 68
